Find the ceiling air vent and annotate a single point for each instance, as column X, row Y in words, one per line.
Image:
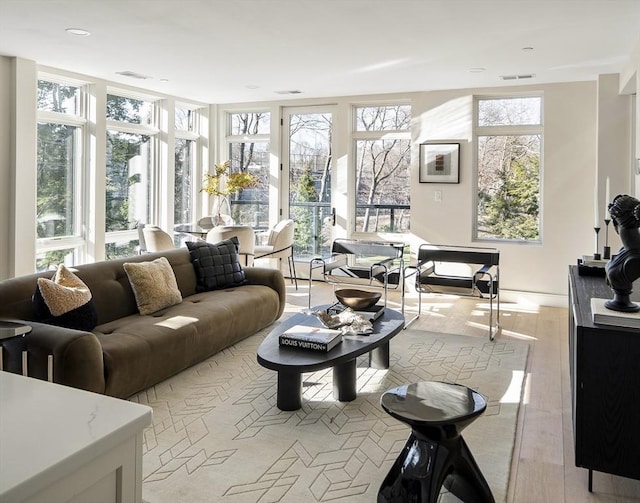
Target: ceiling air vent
column 517, row 77
column 133, row 75
column 295, row 91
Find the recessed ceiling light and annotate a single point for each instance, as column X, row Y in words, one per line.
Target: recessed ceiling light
column 478, row 69
column 293, row 91
column 252, row 86
column 78, row 31
column 164, row 81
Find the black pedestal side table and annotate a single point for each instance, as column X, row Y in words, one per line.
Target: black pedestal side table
column 435, row 454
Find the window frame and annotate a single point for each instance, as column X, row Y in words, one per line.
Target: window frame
column 152, row 130
column 264, row 138
column 509, row 130
column 77, row 241
column 191, row 135
column 380, row 135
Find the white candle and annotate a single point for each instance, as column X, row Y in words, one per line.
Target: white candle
column 607, row 200
column 597, row 216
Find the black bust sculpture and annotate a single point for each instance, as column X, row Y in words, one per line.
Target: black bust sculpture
column 624, row 268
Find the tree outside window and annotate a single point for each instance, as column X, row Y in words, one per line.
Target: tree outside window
column 509, row 144
column 183, row 211
column 130, row 168
column 248, row 144
column 383, row 168
column 59, row 174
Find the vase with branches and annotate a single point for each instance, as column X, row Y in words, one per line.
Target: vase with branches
column 221, row 184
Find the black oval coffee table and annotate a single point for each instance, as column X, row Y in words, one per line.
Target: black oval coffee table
column 291, row 363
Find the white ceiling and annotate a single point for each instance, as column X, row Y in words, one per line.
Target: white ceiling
column 222, row 51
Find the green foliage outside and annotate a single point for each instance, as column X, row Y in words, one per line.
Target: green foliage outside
column 304, row 191
column 512, row 212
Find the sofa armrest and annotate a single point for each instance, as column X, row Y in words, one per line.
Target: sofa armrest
column 272, row 278
column 77, row 356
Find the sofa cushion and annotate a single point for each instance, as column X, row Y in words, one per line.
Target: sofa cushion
column 217, row 265
column 154, row 285
column 64, row 301
column 139, row 351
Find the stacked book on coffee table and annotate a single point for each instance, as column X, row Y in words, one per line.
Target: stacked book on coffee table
column 312, row 338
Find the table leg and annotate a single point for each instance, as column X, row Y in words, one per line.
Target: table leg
column 379, row 357
column 344, row 381
column 424, row 466
column 289, row 391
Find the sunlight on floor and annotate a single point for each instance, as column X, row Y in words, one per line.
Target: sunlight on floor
column 514, row 391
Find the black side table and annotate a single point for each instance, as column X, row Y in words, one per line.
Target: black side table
column 435, row 453
column 10, row 330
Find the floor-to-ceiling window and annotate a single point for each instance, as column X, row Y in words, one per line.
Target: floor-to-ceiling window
column 131, row 171
column 382, row 136
column 308, row 177
column 185, row 155
column 508, row 137
column 60, row 169
column 248, row 143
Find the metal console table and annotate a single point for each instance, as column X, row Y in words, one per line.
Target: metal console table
column 370, row 264
column 482, row 281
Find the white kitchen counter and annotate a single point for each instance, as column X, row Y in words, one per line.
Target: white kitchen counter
column 63, row 444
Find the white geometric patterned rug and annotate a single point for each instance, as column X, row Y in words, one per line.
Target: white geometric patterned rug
column 217, row 435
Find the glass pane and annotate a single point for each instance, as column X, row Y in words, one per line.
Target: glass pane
column 183, row 185
column 121, row 249
column 129, row 176
column 386, row 118
column 383, row 185
column 49, row 260
column 129, row 110
column 510, row 112
column 56, row 211
column 251, row 206
column 184, row 119
column 53, row 97
column 251, row 123
column 509, row 187
column 310, row 182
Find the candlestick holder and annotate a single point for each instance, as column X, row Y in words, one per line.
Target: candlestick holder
column 596, row 255
column 606, row 252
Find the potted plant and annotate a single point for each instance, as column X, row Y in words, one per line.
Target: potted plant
column 221, row 184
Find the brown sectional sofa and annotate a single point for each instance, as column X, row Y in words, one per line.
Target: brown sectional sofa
column 127, row 352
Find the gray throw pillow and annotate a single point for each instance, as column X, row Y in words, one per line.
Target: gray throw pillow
column 217, row 265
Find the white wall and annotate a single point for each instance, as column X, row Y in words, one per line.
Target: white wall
column 5, row 163
column 630, row 84
column 613, row 146
column 569, row 169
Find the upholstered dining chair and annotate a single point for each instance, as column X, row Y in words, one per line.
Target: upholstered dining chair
column 246, row 239
column 280, row 245
column 156, row 239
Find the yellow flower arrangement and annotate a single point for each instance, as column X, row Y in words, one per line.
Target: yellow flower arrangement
column 220, row 183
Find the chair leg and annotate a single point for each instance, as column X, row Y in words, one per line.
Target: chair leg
column 292, row 269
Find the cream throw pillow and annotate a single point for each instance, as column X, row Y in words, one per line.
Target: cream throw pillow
column 154, row 285
column 65, row 292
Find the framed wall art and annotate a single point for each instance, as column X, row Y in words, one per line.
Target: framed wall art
column 440, row 163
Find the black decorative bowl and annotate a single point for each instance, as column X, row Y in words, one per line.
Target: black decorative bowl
column 357, row 299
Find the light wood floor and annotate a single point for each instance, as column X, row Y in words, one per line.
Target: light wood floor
column 543, row 469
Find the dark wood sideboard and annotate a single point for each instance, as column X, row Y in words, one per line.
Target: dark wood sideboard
column 605, row 384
